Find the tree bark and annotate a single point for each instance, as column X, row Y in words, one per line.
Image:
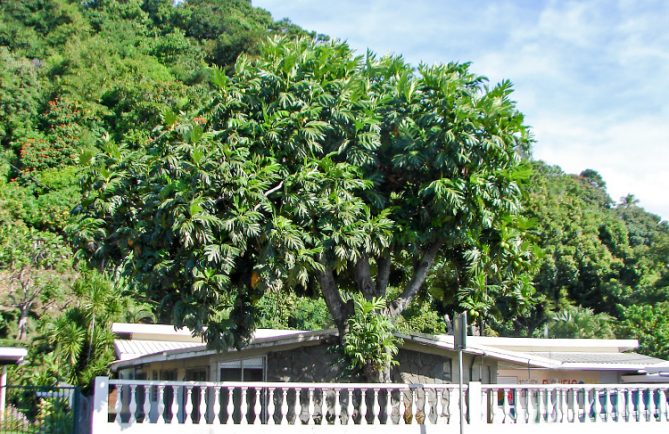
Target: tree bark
column 363, row 278
column 383, row 266
column 341, row 311
column 24, row 310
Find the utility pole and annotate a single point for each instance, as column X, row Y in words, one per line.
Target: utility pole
column 460, row 344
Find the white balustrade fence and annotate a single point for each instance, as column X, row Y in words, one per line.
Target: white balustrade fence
column 575, row 403
column 125, row 406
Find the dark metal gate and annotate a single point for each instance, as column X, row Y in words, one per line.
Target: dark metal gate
column 43, row 410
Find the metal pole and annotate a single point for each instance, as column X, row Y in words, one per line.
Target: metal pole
column 3, row 388
column 460, row 343
column 462, row 393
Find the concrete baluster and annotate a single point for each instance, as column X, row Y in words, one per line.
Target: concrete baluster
column 230, row 408
column 628, row 405
column 284, row 406
column 160, row 405
column 188, row 406
column 310, row 406
column 216, row 407
column 146, row 409
column 271, row 407
column 363, row 407
column 531, row 416
column 607, row 410
column 257, row 409
column 389, row 406
column 408, row 408
column 651, row 404
column 596, row 415
column 244, row 406
column 133, row 404
column 119, row 404
column 662, row 410
column 336, row 407
column 175, row 404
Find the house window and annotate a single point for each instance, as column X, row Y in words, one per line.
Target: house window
column 168, row 392
column 197, row 374
column 168, row 375
column 243, row 370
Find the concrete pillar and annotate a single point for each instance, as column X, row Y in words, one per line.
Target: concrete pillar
column 99, row 421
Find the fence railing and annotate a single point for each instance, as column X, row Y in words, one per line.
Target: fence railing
column 583, row 403
column 40, row 409
column 122, row 405
column 150, row 402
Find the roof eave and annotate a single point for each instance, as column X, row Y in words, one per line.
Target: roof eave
column 202, row 351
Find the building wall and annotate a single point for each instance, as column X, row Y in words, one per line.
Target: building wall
column 321, row 363
column 420, row 364
column 550, row 376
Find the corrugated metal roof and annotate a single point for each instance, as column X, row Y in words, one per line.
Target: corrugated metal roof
column 633, row 359
column 266, row 338
column 540, row 345
column 131, row 349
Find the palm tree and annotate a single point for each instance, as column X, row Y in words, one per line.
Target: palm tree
column 628, row 201
column 580, row 322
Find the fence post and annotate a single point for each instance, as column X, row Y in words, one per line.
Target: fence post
column 100, row 406
column 474, row 402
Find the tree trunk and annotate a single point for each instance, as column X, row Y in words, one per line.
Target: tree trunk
column 23, row 321
column 341, row 311
column 369, row 287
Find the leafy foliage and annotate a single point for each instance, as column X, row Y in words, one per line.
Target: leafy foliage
column 77, row 345
column 650, row 324
column 262, row 189
column 370, row 345
column 72, row 76
column 578, row 322
column 312, row 168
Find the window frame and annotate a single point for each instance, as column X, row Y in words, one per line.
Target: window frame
column 240, row 364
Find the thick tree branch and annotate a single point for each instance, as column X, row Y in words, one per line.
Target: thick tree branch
column 339, row 310
column 363, row 277
column 383, row 273
column 420, row 274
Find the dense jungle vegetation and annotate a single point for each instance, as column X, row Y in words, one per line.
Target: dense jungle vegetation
column 113, row 111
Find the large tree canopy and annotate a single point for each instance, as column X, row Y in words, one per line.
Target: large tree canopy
column 314, row 168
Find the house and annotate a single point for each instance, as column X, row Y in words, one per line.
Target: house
column 291, row 380
column 159, row 352
column 572, row 361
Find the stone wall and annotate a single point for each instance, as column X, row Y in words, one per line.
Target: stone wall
column 422, row 368
column 305, row 365
column 320, row 364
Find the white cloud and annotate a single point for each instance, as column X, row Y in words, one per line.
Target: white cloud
column 590, row 76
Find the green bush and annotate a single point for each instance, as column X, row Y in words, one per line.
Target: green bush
column 370, row 345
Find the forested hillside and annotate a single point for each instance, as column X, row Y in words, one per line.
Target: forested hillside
column 108, row 77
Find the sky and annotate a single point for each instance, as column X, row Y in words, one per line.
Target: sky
column 591, row 77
